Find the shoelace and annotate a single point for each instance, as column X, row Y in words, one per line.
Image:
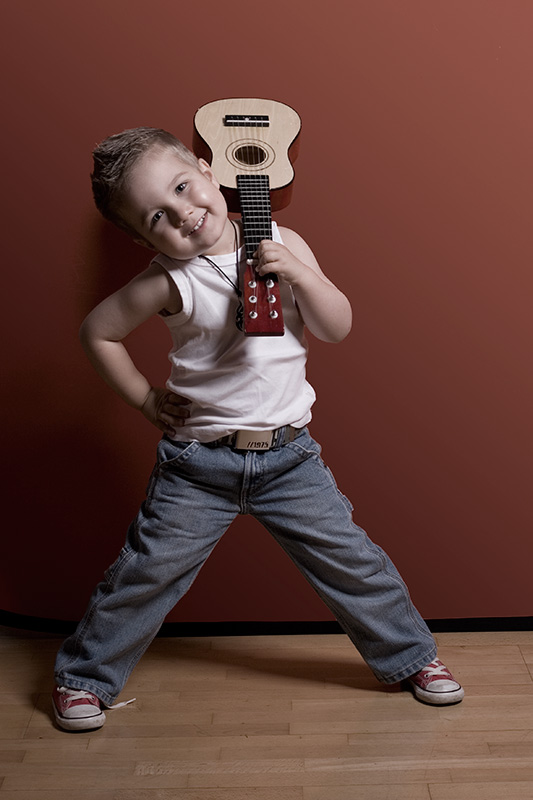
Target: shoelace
column 79, row 694
column 435, row 668
column 74, row 694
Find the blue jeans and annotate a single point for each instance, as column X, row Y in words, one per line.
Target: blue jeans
column 195, row 492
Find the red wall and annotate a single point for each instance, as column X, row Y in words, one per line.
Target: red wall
column 414, row 187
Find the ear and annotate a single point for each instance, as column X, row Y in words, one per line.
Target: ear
column 204, row 167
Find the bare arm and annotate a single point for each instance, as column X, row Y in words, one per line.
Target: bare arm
column 325, row 309
column 109, row 323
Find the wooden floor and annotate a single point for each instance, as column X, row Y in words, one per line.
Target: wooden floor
column 273, row 718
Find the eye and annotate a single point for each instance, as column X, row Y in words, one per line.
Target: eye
column 180, row 187
column 157, row 216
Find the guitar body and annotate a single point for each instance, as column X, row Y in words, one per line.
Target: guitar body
column 233, row 150
column 250, row 144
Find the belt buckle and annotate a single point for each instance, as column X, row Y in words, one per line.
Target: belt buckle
column 253, row 440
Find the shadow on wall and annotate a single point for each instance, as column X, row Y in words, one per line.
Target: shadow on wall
column 75, row 529
column 112, row 259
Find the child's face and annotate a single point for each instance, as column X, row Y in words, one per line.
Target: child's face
column 176, row 209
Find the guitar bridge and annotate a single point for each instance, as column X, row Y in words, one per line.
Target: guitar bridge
column 247, row 120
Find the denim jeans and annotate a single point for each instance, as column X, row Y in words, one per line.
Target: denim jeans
column 195, row 492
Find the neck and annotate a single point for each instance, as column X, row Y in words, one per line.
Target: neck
column 230, row 240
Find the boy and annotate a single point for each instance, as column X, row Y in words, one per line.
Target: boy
column 223, row 383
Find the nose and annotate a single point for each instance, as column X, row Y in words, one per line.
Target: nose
column 180, row 215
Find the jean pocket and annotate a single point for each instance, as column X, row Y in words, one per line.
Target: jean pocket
column 171, row 452
column 305, row 445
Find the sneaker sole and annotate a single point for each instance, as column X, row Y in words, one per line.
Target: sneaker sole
column 79, row 723
column 437, row 698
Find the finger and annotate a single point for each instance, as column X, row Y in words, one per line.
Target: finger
column 174, row 420
column 268, row 266
column 177, row 399
column 175, row 404
column 266, row 263
column 170, row 428
column 170, row 411
column 264, row 246
column 164, row 426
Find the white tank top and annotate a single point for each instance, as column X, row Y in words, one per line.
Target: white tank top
column 234, row 382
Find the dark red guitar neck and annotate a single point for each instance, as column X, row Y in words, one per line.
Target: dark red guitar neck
column 262, row 304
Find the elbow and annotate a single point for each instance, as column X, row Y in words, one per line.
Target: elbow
column 336, row 337
column 334, row 334
column 83, row 334
column 336, row 325
column 341, row 329
column 342, row 324
column 88, row 335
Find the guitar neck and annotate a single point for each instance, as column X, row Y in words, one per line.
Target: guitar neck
column 254, row 195
column 262, row 302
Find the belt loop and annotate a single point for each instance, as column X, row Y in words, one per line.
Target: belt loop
column 281, row 437
column 284, row 435
column 278, row 434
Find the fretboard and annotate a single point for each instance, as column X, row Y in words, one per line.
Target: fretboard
column 254, row 194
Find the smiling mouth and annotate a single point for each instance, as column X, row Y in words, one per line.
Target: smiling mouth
column 198, row 225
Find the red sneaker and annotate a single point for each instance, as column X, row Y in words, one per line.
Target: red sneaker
column 76, row 710
column 436, row 685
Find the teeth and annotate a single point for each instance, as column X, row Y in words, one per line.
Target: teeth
column 198, row 225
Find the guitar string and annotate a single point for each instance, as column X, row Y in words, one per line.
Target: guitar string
column 257, row 195
column 250, row 268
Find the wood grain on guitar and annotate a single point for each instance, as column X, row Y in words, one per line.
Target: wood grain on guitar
column 251, row 144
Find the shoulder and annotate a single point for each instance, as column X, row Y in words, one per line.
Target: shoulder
column 144, row 296
column 299, row 248
column 293, row 240
column 153, row 289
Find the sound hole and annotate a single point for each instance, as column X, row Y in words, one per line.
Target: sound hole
column 250, row 154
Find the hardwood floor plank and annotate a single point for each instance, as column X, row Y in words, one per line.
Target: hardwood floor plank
column 369, row 746
column 11, row 757
column 236, row 741
column 402, row 715
column 502, row 790
column 412, row 791
column 484, row 638
column 83, row 793
column 328, row 778
column 477, row 654
column 310, row 642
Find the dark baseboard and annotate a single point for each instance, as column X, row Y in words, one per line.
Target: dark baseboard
column 259, row 628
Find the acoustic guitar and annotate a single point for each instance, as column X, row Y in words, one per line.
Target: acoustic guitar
column 250, row 144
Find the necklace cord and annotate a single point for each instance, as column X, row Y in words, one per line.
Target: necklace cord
column 239, row 316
